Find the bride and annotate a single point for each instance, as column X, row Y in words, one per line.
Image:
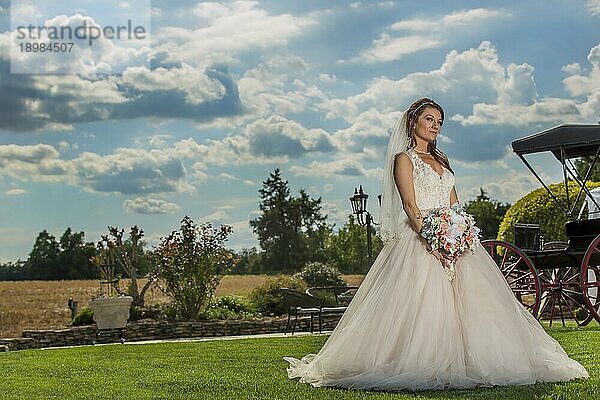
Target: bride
column 409, row 326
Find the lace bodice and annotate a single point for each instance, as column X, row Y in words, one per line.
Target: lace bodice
column 431, row 189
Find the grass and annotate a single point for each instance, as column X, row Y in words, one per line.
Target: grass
column 238, row 369
column 43, row 304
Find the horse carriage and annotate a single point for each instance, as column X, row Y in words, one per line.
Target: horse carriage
column 558, row 278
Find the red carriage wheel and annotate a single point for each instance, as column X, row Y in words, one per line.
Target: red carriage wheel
column 590, row 278
column 561, row 288
column 519, row 272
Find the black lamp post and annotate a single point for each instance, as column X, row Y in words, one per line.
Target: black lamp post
column 359, row 207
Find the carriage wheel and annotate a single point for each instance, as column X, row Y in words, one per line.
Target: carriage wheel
column 519, row 272
column 590, row 278
column 561, row 288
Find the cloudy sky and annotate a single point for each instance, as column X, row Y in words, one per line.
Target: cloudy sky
column 191, row 119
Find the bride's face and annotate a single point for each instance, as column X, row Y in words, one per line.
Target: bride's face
column 429, row 124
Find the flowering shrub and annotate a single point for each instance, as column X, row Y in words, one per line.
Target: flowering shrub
column 319, row 274
column 191, row 263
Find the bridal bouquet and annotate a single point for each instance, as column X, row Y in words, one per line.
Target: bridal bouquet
column 452, row 231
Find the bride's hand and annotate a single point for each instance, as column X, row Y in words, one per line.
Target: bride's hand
column 441, row 258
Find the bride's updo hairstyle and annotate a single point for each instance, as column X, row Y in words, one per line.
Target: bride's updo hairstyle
column 412, row 114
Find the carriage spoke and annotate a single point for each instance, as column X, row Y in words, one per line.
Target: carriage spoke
column 510, row 269
column 545, row 302
column 552, row 309
column 572, row 291
column 560, row 309
column 524, row 291
column 574, row 301
column 504, row 257
column 571, row 312
column 574, row 276
column 525, row 275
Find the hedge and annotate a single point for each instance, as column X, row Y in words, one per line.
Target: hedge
column 538, row 207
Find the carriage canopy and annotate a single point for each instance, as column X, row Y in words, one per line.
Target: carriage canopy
column 573, row 140
column 565, row 142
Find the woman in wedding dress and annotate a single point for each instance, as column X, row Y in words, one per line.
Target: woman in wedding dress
column 409, row 326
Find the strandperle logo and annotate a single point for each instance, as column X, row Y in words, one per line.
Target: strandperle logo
column 58, row 37
column 90, row 32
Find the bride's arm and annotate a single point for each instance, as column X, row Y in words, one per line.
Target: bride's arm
column 453, row 196
column 403, row 176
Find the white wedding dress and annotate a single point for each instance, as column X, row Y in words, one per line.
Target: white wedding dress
column 409, row 327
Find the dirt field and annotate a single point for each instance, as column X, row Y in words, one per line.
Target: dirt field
column 43, row 304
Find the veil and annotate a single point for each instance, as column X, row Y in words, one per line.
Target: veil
column 392, row 216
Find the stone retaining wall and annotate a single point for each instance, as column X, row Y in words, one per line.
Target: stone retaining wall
column 153, row 330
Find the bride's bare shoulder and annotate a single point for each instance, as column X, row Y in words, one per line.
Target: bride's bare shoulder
column 403, row 160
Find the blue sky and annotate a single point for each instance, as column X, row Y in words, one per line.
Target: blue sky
column 191, row 120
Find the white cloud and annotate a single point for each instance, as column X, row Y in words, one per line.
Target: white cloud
column 125, row 171
column 271, row 140
column 103, row 57
column 510, row 186
column 32, row 162
column 132, row 171
column 146, row 205
column 474, row 74
column 593, row 6
column 198, row 87
column 579, row 84
column 388, row 48
column 546, row 110
column 15, row 192
column 571, row 69
column 432, row 34
column 328, row 169
column 500, row 95
column 226, row 29
column 160, row 140
column 272, row 88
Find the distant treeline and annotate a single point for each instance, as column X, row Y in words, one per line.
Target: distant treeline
column 52, row 259
column 292, row 231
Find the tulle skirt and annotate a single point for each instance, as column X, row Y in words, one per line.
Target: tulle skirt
column 409, row 327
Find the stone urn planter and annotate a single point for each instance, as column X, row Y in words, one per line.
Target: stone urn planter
column 111, row 312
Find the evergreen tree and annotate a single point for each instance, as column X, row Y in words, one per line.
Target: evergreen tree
column 68, row 258
column 43, row 258
column 290, row 230
column 75, row 256
column 488, row 214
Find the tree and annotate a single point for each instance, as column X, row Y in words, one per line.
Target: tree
column 191, row 263
column 249, row 262
column 583, row 164
column 488, row 214
column 129, row 255
column 15, row 271
column 291, row 230
column 43, row 258
column 347, row 248
column 75, row 256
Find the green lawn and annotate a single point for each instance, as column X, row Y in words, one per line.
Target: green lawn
column 237, row 369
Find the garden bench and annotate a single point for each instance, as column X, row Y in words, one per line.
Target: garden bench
column 333, row 296
column 298, row 303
